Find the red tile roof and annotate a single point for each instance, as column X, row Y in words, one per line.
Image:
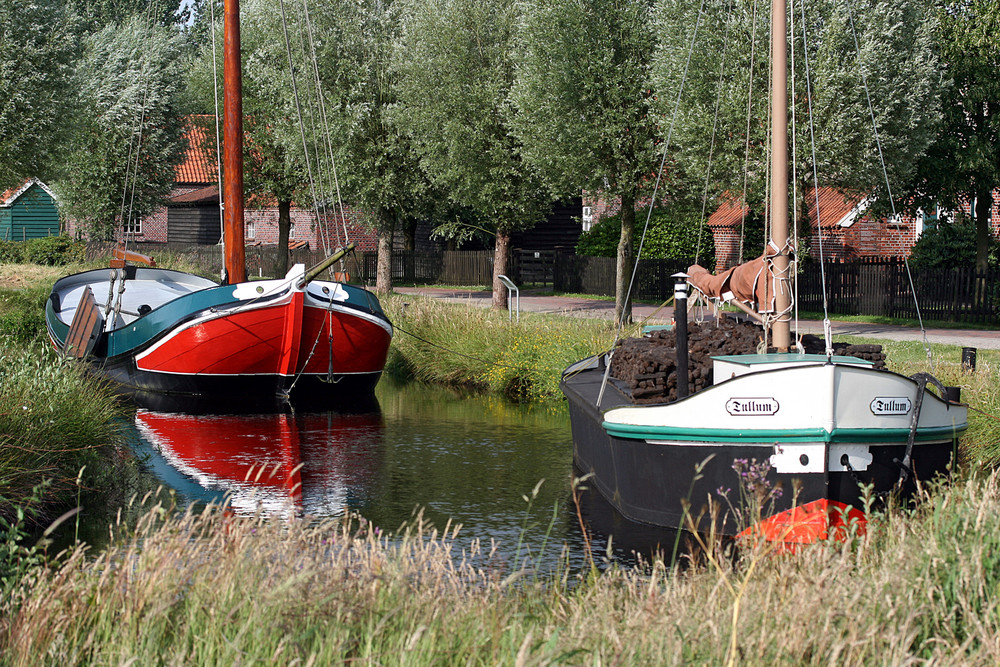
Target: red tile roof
column 729, row 213
column 199, row 163
column 208, row 193
column 835, row 207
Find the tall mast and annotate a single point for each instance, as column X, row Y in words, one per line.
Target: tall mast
column 779, row 172
column 232, row 153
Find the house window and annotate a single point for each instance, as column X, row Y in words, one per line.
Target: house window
column 291, row 229
column 927, row 219
column 133, row 227
column 251, row 229
column 587, row 218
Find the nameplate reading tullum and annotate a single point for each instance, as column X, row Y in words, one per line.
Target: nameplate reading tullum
column 751, row 407
column 890, row 405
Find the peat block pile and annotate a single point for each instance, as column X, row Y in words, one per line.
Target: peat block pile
column 647, row 367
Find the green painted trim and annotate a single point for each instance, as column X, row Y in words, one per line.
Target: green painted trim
column 635, row 432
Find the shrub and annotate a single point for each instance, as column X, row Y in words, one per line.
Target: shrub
column 950, row 245
column 11, row 252
column 674, row 233
column 53, row 251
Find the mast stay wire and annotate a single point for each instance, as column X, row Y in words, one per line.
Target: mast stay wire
column 746, row 155
column 885, row 175
column 619, row 325
column 218, row 133
column 715, row 125
column 298, row 109
column 328, row 144
column 827, row 330
column 795, row 190
column 320, row 204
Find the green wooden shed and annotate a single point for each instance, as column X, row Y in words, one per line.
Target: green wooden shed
column 28, row 211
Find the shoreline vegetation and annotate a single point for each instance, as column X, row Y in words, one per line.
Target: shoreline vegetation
column 205, row 587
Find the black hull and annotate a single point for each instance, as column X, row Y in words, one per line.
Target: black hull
column 652, row 483
column 243, row 393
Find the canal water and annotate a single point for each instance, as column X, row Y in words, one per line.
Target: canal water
column 502, row 471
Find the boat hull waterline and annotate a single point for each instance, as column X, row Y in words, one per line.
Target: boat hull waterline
column 181, row 334
column 823, row 432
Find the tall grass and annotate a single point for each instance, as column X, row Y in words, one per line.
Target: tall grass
column 462, row 345
column 981, row 443
column 54, row 420
column 208, row 588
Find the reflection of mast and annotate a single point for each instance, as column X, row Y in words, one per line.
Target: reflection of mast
column 779, row 174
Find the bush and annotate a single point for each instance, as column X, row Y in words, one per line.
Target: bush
column 22, row 315
column 674, row 232
column 53, row 251
column 949, row 245
column 11, row 252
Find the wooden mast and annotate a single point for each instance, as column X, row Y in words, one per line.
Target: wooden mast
column 232, row 153
column 779, row 173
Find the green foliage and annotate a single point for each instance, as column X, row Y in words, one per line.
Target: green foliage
column 951, row 245
column 54, row 251
column 456, row 72
column 675, row 232
column 522, row 361
column 129, row 81
column 11, row 252
column 54, row 420
column 22, row 315
column 38, row 49
column 729, row 76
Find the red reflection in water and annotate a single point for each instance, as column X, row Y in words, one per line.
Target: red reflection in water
column 315, row 464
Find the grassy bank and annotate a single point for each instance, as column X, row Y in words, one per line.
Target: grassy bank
column 212, row 589
column 54, row 420
column 461, row 345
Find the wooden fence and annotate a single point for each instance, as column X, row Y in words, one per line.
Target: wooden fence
column 872, row 287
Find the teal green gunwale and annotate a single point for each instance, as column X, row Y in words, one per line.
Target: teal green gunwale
column 634, row 432
column 168, row 316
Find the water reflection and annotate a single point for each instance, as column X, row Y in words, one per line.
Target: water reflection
column 316, row 464
column 470, row 460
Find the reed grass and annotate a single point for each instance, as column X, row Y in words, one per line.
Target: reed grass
column 460, row 345
column 54, row 420
column 209, row 588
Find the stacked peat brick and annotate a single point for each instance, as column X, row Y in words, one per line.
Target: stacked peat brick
column 646, row 368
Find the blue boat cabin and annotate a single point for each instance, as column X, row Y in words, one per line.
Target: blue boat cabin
column 28, row 211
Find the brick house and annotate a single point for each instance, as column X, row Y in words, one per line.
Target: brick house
column 848, row 232
column 192, row 215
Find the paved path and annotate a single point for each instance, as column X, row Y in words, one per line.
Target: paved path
column 594, row 308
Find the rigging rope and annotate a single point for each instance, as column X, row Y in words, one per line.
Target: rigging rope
column 218, row 140
column 715, row 125
column 298, row 109
column 819, row 226
column 649, row 214
column 744, row 206
column 885, row 175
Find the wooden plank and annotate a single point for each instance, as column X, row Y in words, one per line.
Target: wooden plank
column 85, row 329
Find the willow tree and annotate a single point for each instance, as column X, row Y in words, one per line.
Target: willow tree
column 456, row 73
column 583, row 95
column 720, row 136
column 38, row 49
column 128, row 135
column 378, row 168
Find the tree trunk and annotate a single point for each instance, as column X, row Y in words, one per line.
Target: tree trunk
column 500, row 254
column 984, row 204
column 383, row 272
column 623, row 265
column 284, row 225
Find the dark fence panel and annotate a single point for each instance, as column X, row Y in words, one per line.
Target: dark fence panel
column 871, row 287
column 882, row 288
